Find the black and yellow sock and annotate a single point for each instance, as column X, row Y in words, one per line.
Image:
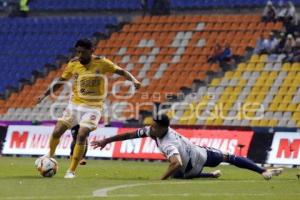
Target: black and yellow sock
column 76, row 157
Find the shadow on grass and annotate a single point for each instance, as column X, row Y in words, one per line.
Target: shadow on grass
column 23, row 177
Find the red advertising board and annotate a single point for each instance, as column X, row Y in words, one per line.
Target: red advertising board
column 285, row 148
column 141, row 148
column 226, row 141
column 34, row 140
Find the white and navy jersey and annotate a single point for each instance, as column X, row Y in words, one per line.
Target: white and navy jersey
column 192, row 156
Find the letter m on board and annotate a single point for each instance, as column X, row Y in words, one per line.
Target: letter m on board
column 288, row 149
column 18, row 139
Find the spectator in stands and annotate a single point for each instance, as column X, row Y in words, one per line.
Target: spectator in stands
column 265, row 45
column 226, row 58
column 282, row 12
column 24, row 8
column 291, row 20
column 281, row 43
column 289, row 44
column 216, row 55
column 144, row 6
column 291, row 14
column 289, row 48
column 227, row 53
column 296, row 51
column 3, row 4
column 274, row 41
column 221, row 56
column 161, row 7
column 269, row 13
column 259, row 44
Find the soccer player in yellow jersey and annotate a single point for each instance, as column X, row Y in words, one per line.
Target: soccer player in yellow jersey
column 89, row 91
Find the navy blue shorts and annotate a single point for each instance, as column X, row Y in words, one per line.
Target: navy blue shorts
column 214, row 157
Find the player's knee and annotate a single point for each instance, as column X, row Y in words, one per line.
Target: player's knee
column 59, row 130
column 57, row 133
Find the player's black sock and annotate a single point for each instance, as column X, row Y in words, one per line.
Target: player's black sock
column 72, row 147
column 86, row 148
column 205, row 175
column 244, row 163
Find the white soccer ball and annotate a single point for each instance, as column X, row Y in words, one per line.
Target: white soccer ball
column 47, row 167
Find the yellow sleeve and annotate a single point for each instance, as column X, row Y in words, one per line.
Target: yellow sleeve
column 68, row 71
column 108, row 66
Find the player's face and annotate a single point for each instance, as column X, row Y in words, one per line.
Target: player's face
column 84, row 55
column 157, row 131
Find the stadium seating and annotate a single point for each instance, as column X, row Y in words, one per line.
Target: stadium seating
column 167, row 56
column 263, row 81
column 200, row 4
column 135, row 4
column 85, row 5
column 28, row 44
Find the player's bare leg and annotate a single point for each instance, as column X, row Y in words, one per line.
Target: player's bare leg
column 78, row 151
column 59, row 130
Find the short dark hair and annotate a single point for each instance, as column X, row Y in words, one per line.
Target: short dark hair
column 86, row 43
column 162, row 120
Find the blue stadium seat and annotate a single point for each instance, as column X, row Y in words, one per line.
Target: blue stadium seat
column 85, row 5
column 202, row 4
column 135, row 4
column 28, row 44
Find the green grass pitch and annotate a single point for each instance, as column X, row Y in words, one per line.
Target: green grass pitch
column 138, row 180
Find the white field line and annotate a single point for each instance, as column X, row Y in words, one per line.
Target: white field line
column 104, row 191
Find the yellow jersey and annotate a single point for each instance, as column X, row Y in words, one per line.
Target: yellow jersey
column 89, row 86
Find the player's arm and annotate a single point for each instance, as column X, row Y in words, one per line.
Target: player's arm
column 128, row 76
column 66, row 75
column 175, row 164
column 104, row 142
column 113, row 68
column 140, row 133
column 57, row 86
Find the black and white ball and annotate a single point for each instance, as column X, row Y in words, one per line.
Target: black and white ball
column 47, row 167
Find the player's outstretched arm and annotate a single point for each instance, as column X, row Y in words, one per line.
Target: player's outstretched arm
column 104, row 142
column 129, row 77
column 56, row 87
column 175, row 163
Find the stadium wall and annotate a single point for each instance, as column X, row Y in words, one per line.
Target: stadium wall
column 275, row 146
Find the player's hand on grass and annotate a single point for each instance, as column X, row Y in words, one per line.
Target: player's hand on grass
column 99, row 143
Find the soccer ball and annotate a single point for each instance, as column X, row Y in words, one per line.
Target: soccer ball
column 47, row 167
